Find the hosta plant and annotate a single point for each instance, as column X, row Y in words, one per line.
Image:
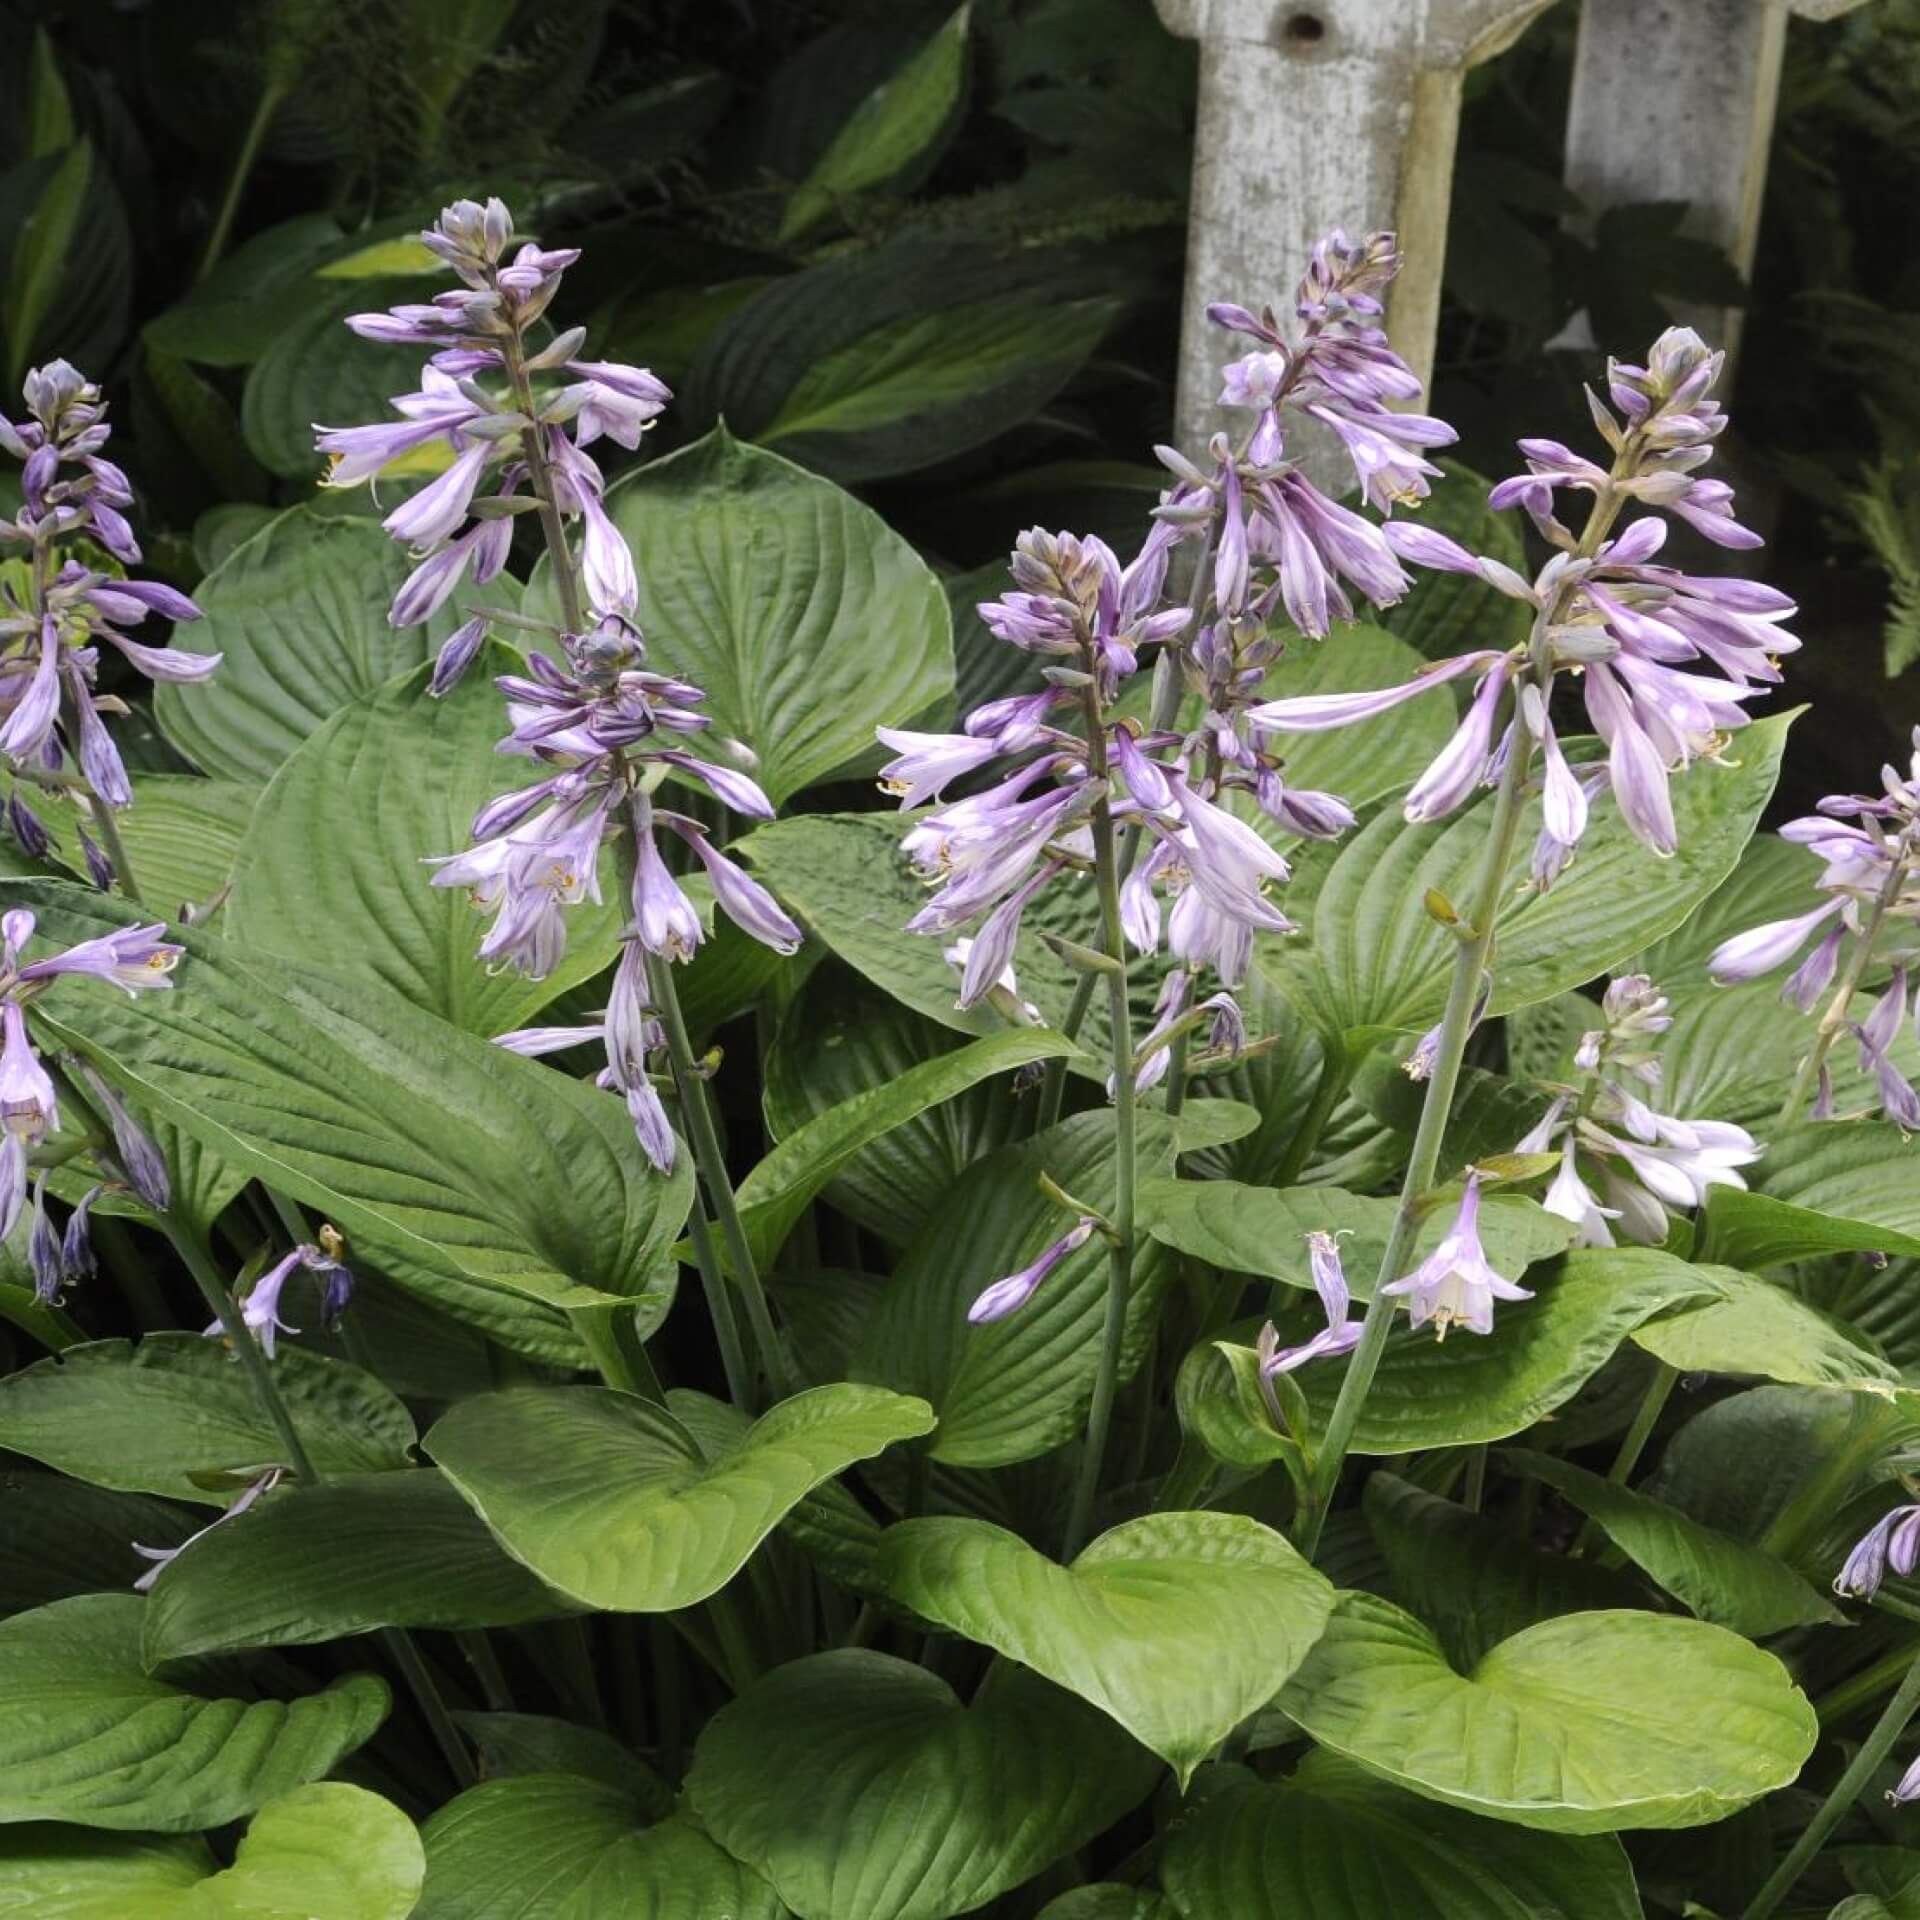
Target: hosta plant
column 1285, row 1323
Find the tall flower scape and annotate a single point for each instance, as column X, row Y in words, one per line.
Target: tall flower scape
column 1048, row 1353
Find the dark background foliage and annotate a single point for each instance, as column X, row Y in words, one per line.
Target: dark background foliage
column 1027, row 253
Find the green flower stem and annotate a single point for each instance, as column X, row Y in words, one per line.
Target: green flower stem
column 1858, row 1689
column 711, row 1163
column 399, row 1646
column 1120, row 1048
column 726, row 1328
column 1634, row 1443
column 1336, row 1070
column 115, row 848
column 1834, row 1020
column 265, row 108
column 1874, row 1749
column 473, row 1642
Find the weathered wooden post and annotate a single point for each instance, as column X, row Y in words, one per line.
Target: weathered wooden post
column 1674, row 100
column 1315, row 114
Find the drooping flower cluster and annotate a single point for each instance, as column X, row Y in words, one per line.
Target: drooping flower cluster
column 1456, row 1285
column 606, row 728
column 485, row 400
column 1892, row 1541
column 1644, row 1162
column 134, row 958
column 260, row 1310
column 50, row 630
column 1666, row 659
column 1867, row 844
column 1281, row 542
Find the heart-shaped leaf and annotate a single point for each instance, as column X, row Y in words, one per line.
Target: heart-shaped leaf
column 1179, row 1625
column 314, row 1563
column 90, row 1736
column 1369, row 962
column 765, row 584
column 863, row 1789
column 1019, row 1387
column 1263, row 1230
column 553, row 1846
column 776, row 1192
column 1758, row 1328
column 433, row 1151
column 1332, row 1842
column 612, row 1500
column 325, row 1852
column 146, row 1418
column 342, row 835
column 1718, row 1577
column 299, row 613
column 1590, row 1723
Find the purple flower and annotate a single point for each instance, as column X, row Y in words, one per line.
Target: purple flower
column 1009, row 1295
column 260, row 1310
column 1455, row 1284
column 1907, row 1787
column 1746, row 956
column 29, row 1107
column 1341, row 1333
column 1892, row 1541
column 164, row 1557
column 742, row 899
column 135, row 959
column 139, row 1162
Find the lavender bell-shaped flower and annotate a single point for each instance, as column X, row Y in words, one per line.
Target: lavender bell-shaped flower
column 1665, row 659
column 57, row 613
column 1456, row 1285
column 1893, row 1541
column 1012, row 1293
column 1341, row 1333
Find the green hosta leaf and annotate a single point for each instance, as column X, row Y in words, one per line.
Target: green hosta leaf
column 767, row 585
column 231, row 316
column 891, row 359
column 316, row 372
column 776, row 1192
column 1473, row 1581
column 914, row 1806
column 1370, row 962
column 1590, row 1723
column 554, row 1846
column 1434, row 1393
column 889, row 132
column 324, row 1852
column 442, row 1158
column 612, row 1500
column 59, row 1537
column 1772, row 880
column 838, row 1038
column 146, row 1418
column 1717, row 1577
column 1263, row 1230
column 314, row 1563
column 182, row 835
column 91, row 1737
column 1332, row 1842
column 1762, row 1329
column 1179, row 1625
column 300, row 613
column 342, row 835
column 522, row 1743
column 1822, row 1188
column 1107, row 1901
column 1020, row 1387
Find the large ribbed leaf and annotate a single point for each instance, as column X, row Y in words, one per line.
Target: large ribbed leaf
column 60, row 1536
column 1019, row 1387
column 324, row 1852
column 90, row 1736
column 300, row 614
column 498, row 1189
column 147, row 1418
column 1541, row 1352
column 1822, row 1188
column 1590, row 1723
column 1762, row 1329
column 776, row 1192
column 1773, row 879
column 1372, row 959
column 181, row 835
column 1718, row 1577
column 314, row 1563
column 341, row 839
column 554, row 1846
column 612, row 1499
column 1179, row 1625
column 1333, row 1843
column 1262, row 1230
column 806, row 618
column 864, row 1790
